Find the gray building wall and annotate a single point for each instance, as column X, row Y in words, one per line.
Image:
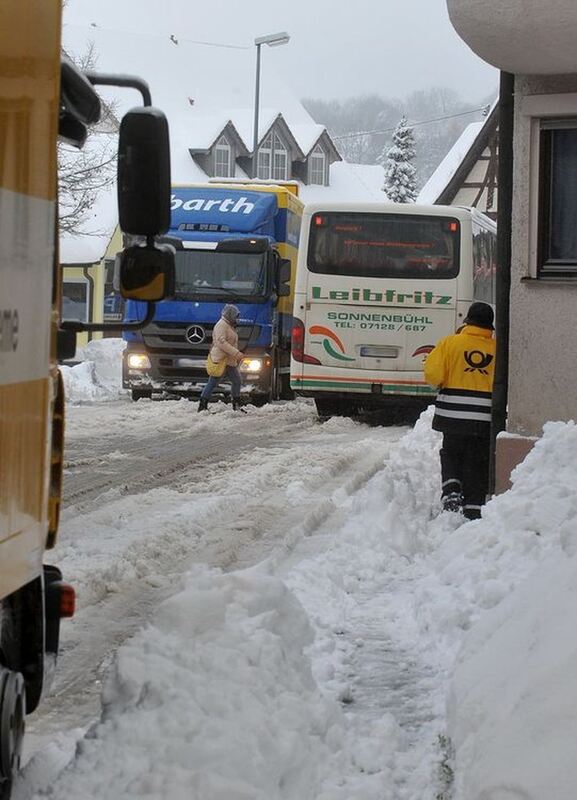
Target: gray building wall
column 543, row 343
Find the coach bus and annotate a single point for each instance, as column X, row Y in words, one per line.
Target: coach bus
column 377, row 286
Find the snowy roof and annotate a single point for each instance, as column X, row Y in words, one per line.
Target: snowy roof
column 200, row 90
column 448, row 168
column 450, row 164
column 349, row 183
column 205, row 131
column 194, row 85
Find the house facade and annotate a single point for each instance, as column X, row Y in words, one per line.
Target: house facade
column 468, row 174
column 302, row 152
column 533, row 44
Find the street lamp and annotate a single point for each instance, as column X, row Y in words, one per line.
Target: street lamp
column 273, row 40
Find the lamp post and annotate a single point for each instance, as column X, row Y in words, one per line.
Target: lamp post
column 273, row 40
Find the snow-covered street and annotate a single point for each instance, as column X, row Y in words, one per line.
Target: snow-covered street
column 271, row 607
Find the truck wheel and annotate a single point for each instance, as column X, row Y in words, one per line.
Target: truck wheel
column 286, row 392
column 12, row 711
column 136, row 394
column 260, row 400
column 275, row 380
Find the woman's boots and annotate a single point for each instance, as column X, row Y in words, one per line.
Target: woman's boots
column 236, row 405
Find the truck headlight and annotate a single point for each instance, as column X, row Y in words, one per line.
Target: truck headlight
column 251, row 364
column 138, row 361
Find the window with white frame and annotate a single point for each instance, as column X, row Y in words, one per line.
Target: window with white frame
column 272, row 162
column 557, row 236
column 280, row 160
column 222, row 158
column 317, row 166
column 264, row 158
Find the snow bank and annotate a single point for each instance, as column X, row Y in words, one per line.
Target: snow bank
column 228, row 695
column 233, row 715
column 513, row 709
column 476, row 612
column 98, row 376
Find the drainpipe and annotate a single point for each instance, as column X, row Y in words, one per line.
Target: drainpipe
column 503, row 276
column 90, row 298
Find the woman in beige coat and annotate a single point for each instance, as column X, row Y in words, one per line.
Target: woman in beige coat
column 225, row 345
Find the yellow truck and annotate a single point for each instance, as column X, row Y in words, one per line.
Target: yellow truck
column 43, row 98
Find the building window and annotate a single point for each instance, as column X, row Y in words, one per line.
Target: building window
column 113, row 300
column 280, row 160
column 75, row 299
column 317, row 166
column 272, row 163
column 222, row 159
column 557, row 251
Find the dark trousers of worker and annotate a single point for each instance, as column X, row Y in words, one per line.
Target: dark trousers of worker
column 465, row 472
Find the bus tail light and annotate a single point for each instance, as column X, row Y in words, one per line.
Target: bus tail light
column 298, row 344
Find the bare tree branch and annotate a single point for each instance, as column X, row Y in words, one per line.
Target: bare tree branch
column 83, row 174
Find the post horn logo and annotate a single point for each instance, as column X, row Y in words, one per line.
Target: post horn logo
column 327, row 342
column 478, row 361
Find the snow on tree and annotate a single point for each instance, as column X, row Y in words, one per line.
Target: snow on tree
column 400, row 184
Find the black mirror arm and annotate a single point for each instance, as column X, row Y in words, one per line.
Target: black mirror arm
column 126, row 81
column 79, row 327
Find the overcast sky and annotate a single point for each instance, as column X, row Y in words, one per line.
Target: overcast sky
column 337, row 49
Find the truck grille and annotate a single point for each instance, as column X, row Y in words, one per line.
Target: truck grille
column 174, row 358
column 171, row 336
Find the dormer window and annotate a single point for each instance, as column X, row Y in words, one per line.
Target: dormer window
column 318, row 166
column 222, row 159
column 272, row 159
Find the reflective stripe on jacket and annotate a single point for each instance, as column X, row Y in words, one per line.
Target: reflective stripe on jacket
column 462, row 366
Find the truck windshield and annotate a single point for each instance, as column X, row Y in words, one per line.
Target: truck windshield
column 212, row 274
column 384, row 245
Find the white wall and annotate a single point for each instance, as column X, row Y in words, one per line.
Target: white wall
column 531, row 37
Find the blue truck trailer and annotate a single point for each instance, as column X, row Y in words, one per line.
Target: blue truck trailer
column 235, row 243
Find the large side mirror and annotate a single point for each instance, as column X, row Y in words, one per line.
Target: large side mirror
column 144, row 173
column 146, row 273
column 284, row 277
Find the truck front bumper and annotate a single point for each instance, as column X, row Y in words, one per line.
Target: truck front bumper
column 148, row 374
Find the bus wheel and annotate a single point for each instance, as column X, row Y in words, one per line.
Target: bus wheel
column 12, row 711
column 326, row 407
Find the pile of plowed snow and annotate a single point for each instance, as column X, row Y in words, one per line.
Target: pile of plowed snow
column 98, row 375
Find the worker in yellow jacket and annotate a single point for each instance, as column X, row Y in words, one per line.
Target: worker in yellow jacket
column 462, row 367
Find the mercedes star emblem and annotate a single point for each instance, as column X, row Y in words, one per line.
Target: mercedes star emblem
column 195, row 334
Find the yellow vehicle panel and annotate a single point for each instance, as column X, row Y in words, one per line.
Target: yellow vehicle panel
column 29, row 92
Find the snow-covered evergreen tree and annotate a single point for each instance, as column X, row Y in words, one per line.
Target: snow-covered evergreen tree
column 400, row 174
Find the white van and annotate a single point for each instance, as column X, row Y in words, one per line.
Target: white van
column 377, row 286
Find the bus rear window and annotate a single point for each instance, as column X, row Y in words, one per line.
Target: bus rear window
column 384, row 245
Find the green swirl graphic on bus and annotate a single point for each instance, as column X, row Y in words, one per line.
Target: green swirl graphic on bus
column 331, row 337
